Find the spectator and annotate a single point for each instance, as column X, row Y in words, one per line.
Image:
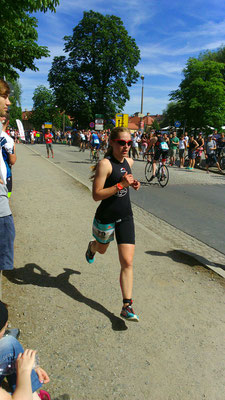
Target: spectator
column 182, row 148
column 144, row 144
column 193, row 145
column 199, row 149
column 210, row 153
column 48, row 141
column 9, row 155
column 7, row 229
column 135, row 145
column 24, row 381
column 174, row 143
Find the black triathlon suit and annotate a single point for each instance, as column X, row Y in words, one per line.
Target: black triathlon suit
column 117, row 208
column 159, row 150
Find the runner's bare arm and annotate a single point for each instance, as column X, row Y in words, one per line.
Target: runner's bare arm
column 136, row 184
column 103, row 170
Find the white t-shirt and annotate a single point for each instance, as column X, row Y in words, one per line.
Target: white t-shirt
column 181, row 144
column 10, row 142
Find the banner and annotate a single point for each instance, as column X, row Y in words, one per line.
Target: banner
column 21, row 130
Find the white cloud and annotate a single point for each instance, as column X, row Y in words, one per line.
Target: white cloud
column 166, row 68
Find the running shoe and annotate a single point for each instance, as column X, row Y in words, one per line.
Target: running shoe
column 129, row 314
column 90, row 257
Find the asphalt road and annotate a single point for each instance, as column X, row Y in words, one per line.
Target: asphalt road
column 193, row 201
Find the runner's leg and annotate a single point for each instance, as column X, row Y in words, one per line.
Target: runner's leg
column 126, row 255
column 98, row 247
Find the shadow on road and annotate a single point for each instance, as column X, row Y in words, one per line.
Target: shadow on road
column 80, row 162
column 187, row 258
column 33, row 274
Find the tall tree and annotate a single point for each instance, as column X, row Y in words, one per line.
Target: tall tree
column 201, row 94
column 100, row 68
column 18, row 39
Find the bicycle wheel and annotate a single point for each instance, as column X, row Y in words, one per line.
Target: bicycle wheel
column 148, row 171
column 222, row 163
column 186, row 161
column 91, row 156
column 163, row 175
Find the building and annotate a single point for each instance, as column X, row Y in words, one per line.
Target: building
column 134, row 123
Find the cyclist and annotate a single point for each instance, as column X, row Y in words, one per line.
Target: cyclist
column 82, row 141
column 95, row 143
column 161, row 144
column 111, row 182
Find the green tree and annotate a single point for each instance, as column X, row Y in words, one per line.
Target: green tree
column 201, row 94
column 155, row 125
column 18, row 39
column 46, row 110
column 43, row 106
column 100, row 68
column 171, row 114
column 15, row 111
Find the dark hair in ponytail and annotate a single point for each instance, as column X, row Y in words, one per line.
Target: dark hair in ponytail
column 113, row 135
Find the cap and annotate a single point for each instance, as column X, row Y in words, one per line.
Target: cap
column 210, row 135
column 3, row 315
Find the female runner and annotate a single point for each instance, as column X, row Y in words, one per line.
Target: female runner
column 111, row 183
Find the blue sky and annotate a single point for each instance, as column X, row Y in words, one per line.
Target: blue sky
column 167, row 33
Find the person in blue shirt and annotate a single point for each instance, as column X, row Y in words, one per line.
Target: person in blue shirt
column 95, row 142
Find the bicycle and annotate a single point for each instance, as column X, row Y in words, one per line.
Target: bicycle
column 94, row 155
column 221, row 159
column 162, row 173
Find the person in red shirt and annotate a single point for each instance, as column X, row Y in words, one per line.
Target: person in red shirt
column 48, row 141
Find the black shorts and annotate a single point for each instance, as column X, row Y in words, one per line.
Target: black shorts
column 123, row 228
column 160, row 152
column 211, row 159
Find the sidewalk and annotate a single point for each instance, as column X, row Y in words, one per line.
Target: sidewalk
column 69, row 310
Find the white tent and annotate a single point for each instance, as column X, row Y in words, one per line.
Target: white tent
column 166, row 128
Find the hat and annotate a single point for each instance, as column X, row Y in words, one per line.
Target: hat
column 210, row 135
column 3, row 315
column 200, row 133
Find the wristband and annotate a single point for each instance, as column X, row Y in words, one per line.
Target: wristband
column 119, row 186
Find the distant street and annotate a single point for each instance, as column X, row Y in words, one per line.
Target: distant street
column 192, row 201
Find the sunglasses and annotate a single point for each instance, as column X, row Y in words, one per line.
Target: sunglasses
column 123, row 142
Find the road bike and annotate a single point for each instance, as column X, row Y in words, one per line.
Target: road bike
column 221, row 159
column 94, row 155
column 162, row 173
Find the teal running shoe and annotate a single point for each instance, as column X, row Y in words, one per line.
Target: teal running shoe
column 90, row 257
column 129, row 314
